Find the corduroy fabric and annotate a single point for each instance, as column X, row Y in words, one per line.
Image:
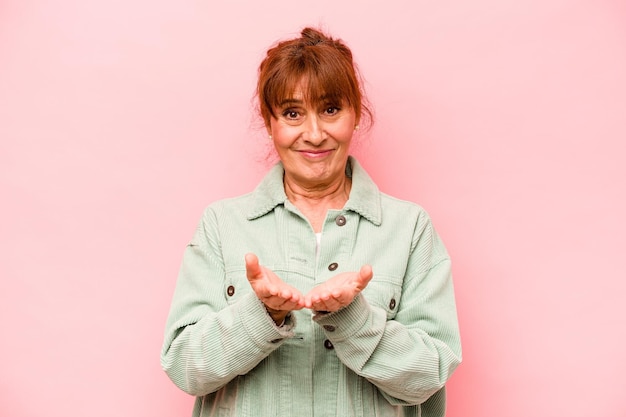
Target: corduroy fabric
column 389, row 353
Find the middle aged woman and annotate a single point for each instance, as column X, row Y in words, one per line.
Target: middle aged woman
column 316, row 294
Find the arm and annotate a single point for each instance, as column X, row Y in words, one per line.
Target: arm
column 412, row 356
column 208, row 341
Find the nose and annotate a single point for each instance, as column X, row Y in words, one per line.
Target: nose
column 314, row 130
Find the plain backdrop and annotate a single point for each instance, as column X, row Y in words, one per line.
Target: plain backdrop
column 121, row 120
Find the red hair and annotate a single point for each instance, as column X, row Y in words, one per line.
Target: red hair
column 324, row 64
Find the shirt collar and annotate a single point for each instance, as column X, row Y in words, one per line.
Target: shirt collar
column 364, row 195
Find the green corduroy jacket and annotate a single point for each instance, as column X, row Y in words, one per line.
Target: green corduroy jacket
column 389, row 353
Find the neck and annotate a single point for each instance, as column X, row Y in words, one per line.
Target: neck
column 314, row 202
column 330, row 195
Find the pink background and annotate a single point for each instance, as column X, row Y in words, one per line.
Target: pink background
column 121, row 120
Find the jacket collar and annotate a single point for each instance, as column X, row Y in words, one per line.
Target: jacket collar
column 364, row 195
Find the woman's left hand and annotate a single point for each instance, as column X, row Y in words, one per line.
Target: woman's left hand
column 339, row 291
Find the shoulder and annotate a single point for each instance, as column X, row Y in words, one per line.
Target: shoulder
column 403, row 214
column 409, row 211
column 228, row 208
column 231, row 203
column 268, row 194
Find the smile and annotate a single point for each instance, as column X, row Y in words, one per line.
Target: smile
column 316, row 154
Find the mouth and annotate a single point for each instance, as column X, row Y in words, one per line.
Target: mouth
column 315, row 153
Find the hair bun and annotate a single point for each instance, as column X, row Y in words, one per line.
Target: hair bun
column 313, row 36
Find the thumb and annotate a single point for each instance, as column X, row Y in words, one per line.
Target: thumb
column 365, row 275
column 253, row 269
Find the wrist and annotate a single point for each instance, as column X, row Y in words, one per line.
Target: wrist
column 277, row 315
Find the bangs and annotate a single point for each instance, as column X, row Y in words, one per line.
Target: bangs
column 319, row 76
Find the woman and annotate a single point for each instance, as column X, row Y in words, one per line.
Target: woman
column 316, row 294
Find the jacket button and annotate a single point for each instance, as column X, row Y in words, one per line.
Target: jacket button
column 230, row 290
column 328, row 344
column 340, row 220
column 333, row 266
column 329, row 327
column 392, row 304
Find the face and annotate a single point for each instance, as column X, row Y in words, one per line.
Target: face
column 312, row 140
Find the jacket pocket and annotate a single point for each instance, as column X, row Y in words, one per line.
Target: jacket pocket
column 385, row 294
column 235, row 285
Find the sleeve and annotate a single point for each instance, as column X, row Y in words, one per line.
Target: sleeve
column 410, row 357
column 208, row 341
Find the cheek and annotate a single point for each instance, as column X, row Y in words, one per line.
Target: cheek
column 345, row 135
column 283, row 137
column 345, row 129
column 279, row 133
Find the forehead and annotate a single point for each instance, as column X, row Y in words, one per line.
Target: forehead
column 306, row 92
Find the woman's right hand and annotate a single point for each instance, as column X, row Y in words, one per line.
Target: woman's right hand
column 279, row 298
column 338, row 291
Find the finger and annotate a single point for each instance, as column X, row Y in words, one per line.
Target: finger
column 366, row 272
column 277, row 303
column 311, row 300
column 288, row 292
column 333, row 304
column 365, row 275
column 337, row 293
column 342, row 298
column 272, row 291
column 300, row 304
column 296, row 297
column 291, row 305
column 284, row 294
column 330, row 305
column 253, row 269
column 325, row 295
column 318, row 306
column 319, row 297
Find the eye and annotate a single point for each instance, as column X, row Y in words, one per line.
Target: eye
column 331, row 110
column 291, row 114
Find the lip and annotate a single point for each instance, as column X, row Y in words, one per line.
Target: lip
column 315, row 153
